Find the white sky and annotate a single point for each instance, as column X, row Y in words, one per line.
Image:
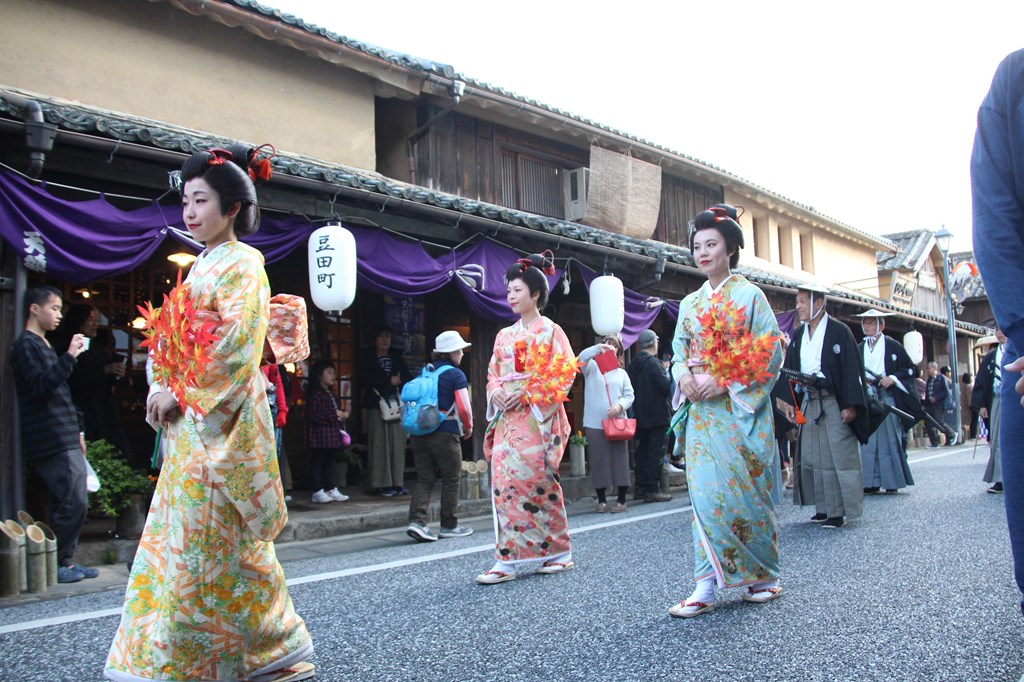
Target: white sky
column 865, row 111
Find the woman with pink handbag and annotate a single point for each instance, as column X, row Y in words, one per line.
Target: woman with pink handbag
column 607, row 396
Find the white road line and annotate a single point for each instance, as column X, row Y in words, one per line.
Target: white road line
column 388, row 565
column 58, row 620
column 947, row 453
column 333, row 575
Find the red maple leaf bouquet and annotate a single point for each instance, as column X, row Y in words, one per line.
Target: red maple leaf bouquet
column 179, row 338
column 731, row 353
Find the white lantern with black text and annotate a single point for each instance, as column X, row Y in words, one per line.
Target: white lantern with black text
column 332, row 268
column 913, row 342
column 607, row 305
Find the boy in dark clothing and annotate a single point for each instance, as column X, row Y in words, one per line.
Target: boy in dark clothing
column 653, row 389
column 50, row 433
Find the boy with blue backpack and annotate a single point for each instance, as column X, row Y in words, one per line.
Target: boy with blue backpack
column 436, row 412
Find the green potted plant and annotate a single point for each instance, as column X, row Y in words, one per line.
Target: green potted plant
column 350, row 464
column 577, row 454
column 124, row 492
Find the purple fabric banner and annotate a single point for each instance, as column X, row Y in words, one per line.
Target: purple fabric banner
column 77, row 240
column 480, row 276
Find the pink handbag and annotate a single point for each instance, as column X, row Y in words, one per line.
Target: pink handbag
column 617, row 428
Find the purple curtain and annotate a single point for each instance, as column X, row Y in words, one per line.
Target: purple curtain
column 78, row 240
column 480, row 277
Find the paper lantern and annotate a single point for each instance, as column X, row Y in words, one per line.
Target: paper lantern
column 332, row 268
column 913, row 342
column 607, row 305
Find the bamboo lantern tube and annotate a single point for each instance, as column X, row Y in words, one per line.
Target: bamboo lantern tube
column 10, row 565
column 35, row 559
column 483, row 480
column 19, row 533
column 51, row 553
column 25, row 519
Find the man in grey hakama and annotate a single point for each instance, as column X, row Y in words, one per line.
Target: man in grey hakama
column 889, row 370
column 985, row 398
column 827, row 465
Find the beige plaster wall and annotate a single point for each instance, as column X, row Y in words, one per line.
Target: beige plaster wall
column 836, row 260
column 151, row 60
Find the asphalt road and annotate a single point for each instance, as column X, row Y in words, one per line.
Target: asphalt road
column 920, row 588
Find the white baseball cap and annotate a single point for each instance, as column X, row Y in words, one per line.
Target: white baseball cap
column 449, row 342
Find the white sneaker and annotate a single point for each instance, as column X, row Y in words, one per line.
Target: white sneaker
column 673, row 469
column 320, row 497
column 336, row 495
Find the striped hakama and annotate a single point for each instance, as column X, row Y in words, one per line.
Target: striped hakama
column 829, row 474
column 994, row 470
column 884, row 458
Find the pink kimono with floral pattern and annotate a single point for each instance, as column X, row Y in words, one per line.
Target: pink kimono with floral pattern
column 524, row 452
column 206, row 599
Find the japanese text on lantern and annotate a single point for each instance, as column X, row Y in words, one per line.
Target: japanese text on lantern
column 324, row 262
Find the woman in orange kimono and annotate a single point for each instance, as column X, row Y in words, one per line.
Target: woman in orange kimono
column 206, row 599
column 525, row 441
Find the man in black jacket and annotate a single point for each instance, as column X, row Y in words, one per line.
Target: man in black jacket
column 653, row 389
column 936, row 397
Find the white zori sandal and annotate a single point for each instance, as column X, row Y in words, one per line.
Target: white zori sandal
column 292, row 673
column 689, row 609
column 760, row 595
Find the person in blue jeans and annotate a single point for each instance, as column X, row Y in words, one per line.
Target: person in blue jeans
column 997, row 184
column 439, row 454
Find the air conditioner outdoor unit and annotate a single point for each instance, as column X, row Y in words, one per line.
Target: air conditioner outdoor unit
column 574, row 188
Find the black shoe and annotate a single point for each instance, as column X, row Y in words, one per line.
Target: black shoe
column 871, row 491
column 996, row 488
column 640, row 495
column 818, row 518
column 834, row 522
column 658, row 497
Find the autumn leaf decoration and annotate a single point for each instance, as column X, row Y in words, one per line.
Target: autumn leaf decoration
column 179, row 343
column 732, row 353
column 550, row 374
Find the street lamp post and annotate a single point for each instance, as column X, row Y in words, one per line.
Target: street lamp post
column 942, row 239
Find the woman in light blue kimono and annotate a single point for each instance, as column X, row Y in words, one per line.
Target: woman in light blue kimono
column 728, row 432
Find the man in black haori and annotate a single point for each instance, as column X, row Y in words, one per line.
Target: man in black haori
column 890, row 377
column 827, row 465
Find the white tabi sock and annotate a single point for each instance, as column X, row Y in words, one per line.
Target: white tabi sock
column 704, row 591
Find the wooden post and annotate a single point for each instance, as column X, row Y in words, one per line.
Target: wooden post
column 35, row 559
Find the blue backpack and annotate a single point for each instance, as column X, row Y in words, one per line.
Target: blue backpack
column 420, row 414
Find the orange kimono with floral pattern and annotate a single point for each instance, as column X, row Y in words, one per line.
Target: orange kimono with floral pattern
column 525, row 452
column 206, row 599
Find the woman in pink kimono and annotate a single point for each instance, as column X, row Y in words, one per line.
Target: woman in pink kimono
column 525, row 442
column 206, row 599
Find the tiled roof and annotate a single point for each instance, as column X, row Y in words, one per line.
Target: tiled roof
column 425, row 66
column 913, row 247
column 125, row 128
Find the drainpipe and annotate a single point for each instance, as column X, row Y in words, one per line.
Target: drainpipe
column 38, row 137
column 659, row 270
